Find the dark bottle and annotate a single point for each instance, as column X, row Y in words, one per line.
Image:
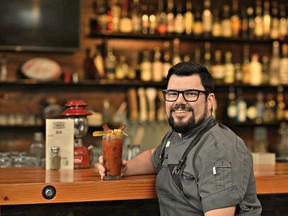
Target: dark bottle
column 244, row 23
column 94, row 24
column 161, row 18
column 251, row 22
column 90, row 71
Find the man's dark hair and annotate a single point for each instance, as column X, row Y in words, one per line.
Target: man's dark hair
column 193, row 68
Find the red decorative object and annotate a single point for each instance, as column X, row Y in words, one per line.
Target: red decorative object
column 76, row 109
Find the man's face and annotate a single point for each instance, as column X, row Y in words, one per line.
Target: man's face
column 183, row 115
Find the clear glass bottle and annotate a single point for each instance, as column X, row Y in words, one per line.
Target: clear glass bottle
column 274, row 64
column 207, row 18
column 55, row 158
column 179, row 27
column 161, row 18
column 136, row 15
column 218, row 68
column 235, row 19
column 146, row 67
column 37, row 148
column 258, row 30
column 188, row 18
column 229, row 73
column 110, row 64
column 157, row 66
column 256, row 69
column 226, row 25
column 266, row 20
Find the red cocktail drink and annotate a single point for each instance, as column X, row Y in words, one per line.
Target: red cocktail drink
column 112, row 145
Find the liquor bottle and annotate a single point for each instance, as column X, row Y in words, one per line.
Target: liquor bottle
column 152, row 19
column 116, row 15
column 170, row 16
column 146, row 67
column 198, row 24
column 102, row 16
column 251, row 22
column 37, row 148
column 90, row 71
column 229, row 75
column 238, row 73
column 246, row 65
column 283, row 68
column 235, row 19
column 110, row 64
column 109, row 16
column 125, row 20
column 241, row 107
column 197, row 56
column 207, row 55
column 218, row 68
column 265, row 69
column 231, row 105
column 283, row 22
column 260, row 106
column 166, row 59
column 274, row 33
column 3, row 69
column 266, row 20
column 269, row 114
column 226, row 25
column 274, row 64
column 157, row 66
column 136, row 16
column 161, row 18
column 176, row 58
column 256, row 70
column 216, row 26
column 207, row 19
column 188, row 18
column 244, row 26
column 134, row 67
column 179, row 19
column 94, row 23
column 186, row 58
column 280, row 104
column 122, row 68
column 99, row 61
column 145, row 19
column 258, row 30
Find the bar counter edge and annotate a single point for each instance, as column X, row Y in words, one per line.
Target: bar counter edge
column 20, row 186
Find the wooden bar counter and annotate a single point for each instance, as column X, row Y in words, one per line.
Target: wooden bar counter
column 82, row 192
column 25, row 185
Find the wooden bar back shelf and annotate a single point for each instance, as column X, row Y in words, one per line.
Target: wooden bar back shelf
column 25, row 185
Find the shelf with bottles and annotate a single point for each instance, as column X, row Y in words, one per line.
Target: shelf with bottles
column 259, row 20
column 262, row 108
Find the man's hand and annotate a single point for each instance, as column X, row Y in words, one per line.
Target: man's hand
column 102, row 169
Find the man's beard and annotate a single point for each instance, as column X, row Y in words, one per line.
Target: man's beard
column 190, row 124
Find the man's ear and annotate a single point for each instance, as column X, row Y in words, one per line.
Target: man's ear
column 211, row 101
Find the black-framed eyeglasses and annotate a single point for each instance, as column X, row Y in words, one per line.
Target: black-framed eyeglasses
column 190, row 95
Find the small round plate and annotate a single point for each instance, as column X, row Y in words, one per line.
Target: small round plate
column 41, row 69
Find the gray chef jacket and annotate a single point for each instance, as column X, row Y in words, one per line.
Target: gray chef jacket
column 218, row 173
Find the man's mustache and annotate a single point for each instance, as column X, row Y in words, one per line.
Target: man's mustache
column 181, row 107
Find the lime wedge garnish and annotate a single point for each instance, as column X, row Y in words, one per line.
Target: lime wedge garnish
column 98, row 133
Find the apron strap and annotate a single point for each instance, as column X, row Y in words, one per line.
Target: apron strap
column 176, row 169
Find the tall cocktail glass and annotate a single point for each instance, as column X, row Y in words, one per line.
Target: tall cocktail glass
column 112, row 145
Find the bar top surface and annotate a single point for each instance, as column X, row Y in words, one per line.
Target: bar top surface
column 25, row 185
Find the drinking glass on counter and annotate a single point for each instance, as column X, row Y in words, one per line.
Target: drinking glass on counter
column 112, row 145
